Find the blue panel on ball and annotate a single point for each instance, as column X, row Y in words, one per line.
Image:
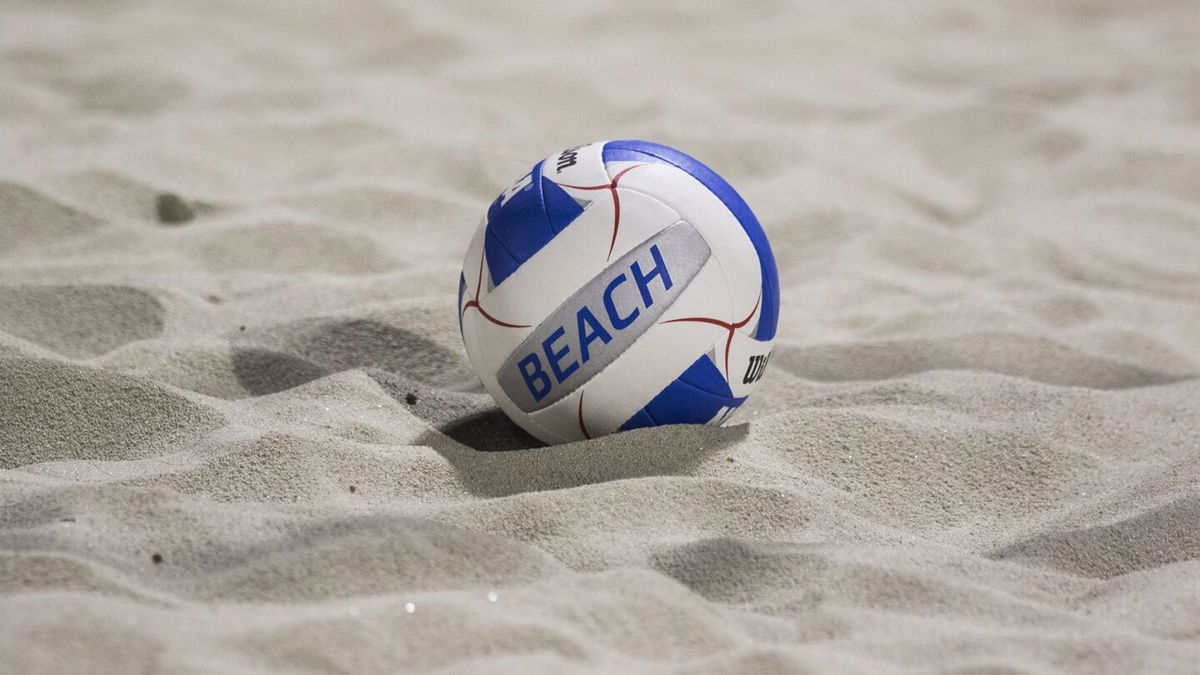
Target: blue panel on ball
column 705, row 376
column 561, row 210
column 516, row 228
column 500, row 262
column 519, row 227
column 695, row 397
column 644, row 151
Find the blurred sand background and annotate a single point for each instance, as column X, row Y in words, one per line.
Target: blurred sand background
column 247, row 439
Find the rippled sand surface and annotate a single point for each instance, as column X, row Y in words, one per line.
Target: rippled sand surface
column 238, row 431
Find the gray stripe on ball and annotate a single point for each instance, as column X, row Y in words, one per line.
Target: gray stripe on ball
column 683, row 251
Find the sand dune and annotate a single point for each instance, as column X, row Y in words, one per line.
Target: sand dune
column 238, row 431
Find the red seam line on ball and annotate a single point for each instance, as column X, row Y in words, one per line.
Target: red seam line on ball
column 730, row 327
column 612, row 189
column 474, row 302
column 582, row 426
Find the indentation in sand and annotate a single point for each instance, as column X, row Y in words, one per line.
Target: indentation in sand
column 1027, row 356
column 80, row 321
column 45, row 406
column 1106, row 551
column 277, row 357
column 29, row 217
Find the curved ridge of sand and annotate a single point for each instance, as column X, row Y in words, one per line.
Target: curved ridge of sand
column 248, row 439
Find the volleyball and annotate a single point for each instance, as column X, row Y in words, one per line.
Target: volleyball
column 618, row 285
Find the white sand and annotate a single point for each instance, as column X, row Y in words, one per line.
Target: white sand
column 977, row 447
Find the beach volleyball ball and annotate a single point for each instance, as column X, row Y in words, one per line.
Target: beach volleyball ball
column 618, row 285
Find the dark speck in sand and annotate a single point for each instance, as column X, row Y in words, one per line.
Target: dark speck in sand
column 410, row 399
column 353, row 489
column 157, row 558
column 172, row 209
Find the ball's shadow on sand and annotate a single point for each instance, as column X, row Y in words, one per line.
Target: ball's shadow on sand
column 660, row 451
column 491, row 431
column 491, row 454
